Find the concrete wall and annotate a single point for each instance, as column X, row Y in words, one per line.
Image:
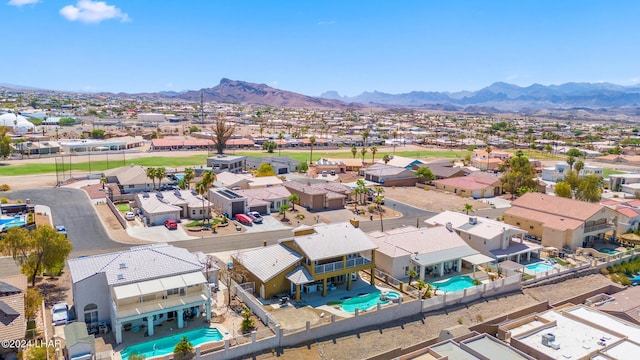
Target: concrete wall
column 117, row 214
column 92, row 290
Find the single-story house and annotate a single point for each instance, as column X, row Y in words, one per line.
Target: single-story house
column 154, row 210
column 228, row 201
column 266, row 200
column 444, row 169
column 387, row 175
column 132, row 179
column 401, row 162
column 475, row 185
column 281, row 164
column 13, row 288
column 319, row 196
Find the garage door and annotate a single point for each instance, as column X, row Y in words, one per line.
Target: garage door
column 262, row 209
column 237, row 208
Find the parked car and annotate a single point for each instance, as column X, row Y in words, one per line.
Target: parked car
column 60, row 314
column 171, row 224
column 130, row 215
column 255, row 216
column 61, row 230
column 324, row 174
column 244, row 219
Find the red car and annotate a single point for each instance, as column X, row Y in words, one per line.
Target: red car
column 171, row 224
column 244, row 219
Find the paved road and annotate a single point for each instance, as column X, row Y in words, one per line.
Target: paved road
column 71, row 208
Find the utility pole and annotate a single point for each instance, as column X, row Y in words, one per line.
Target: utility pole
column 202, row 106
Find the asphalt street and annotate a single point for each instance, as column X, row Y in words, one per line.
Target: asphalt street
column 72, row 208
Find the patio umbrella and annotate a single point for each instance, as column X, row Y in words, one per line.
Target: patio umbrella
column 631, row 238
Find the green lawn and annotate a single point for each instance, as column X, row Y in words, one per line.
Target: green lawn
column 123, row 207
column 606, row 172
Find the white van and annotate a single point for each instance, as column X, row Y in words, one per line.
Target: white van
column 129, row 216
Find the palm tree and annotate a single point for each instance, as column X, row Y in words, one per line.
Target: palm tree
column 374, row 150
column 356, row 192
column 189, row 175
column 362, row 186
column 312, row 141
column 468, row 207
column 394, row 134
column 386, row 158
column 578, row 166
column 571, row 160
column 293, row 199
column 208, row 178
column 283, row 211
column 489, row 150
column 354, row 151
column 202, row 189
column 161, row 173
column 412, row 275
column 420, row 284
column 363, row 151
column 151, row 174
column 281, row 138
column 365, row 134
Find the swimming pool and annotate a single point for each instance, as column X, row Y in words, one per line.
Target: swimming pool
column 10, row 222
column 608, row 251
column 367, row 301
column 165, row 345
column 539, row 267
column 456, row 283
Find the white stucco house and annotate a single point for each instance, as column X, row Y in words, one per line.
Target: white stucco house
column 146, row 285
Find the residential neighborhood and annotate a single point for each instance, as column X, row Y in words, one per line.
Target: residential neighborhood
column 245, row 251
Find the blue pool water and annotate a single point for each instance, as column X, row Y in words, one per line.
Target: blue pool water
column 11, row 222
column 179, row 176
column 539, row 267
column 456, row 283
column 165, row 345
column 608, row 251
column 368, row 301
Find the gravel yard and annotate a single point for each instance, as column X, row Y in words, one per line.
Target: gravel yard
column 431, row 199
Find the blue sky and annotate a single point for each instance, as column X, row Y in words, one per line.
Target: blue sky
column 313, row 46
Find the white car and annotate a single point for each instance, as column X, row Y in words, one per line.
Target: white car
column 60, row 314
column 129, row 215
column 255, row 216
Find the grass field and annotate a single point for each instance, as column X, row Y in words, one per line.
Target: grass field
column 123, row 207
column 606, row 172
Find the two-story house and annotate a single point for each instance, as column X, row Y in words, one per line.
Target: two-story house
column 490, row 237
column 145, row 285
column 560, row 222
column 314, row 259
column 560, row 170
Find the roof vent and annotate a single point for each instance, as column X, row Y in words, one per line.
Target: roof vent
column 159, row 195
column 120, row 277
column 145, row 195
column 449, row 226
column 123, row 266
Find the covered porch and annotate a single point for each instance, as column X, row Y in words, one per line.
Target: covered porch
column 518, row 251
column 150, row 303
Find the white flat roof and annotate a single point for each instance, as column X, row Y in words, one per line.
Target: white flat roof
column 575, row 339
column 624, row 350
column 608, row 321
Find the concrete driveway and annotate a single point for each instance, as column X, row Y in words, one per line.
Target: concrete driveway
column 269, row 223
column 157, row 233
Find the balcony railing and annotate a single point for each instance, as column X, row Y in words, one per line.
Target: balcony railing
column 128, row 310
column 597, row 227
column 338, row 265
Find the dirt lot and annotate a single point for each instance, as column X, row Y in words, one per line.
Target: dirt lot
column 431, row 199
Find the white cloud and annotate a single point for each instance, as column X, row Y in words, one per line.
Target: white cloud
column 22, row 2
column 88, row 11
column 332, row 22
column 274, row 83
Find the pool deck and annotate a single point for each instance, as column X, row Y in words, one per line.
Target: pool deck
column 168, row 328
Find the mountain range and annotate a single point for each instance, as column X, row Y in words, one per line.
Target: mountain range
column 508, row 97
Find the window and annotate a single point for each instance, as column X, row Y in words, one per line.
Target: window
column 530, row 226
column 181, row 291
column 518, row 223
column 172, row 292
